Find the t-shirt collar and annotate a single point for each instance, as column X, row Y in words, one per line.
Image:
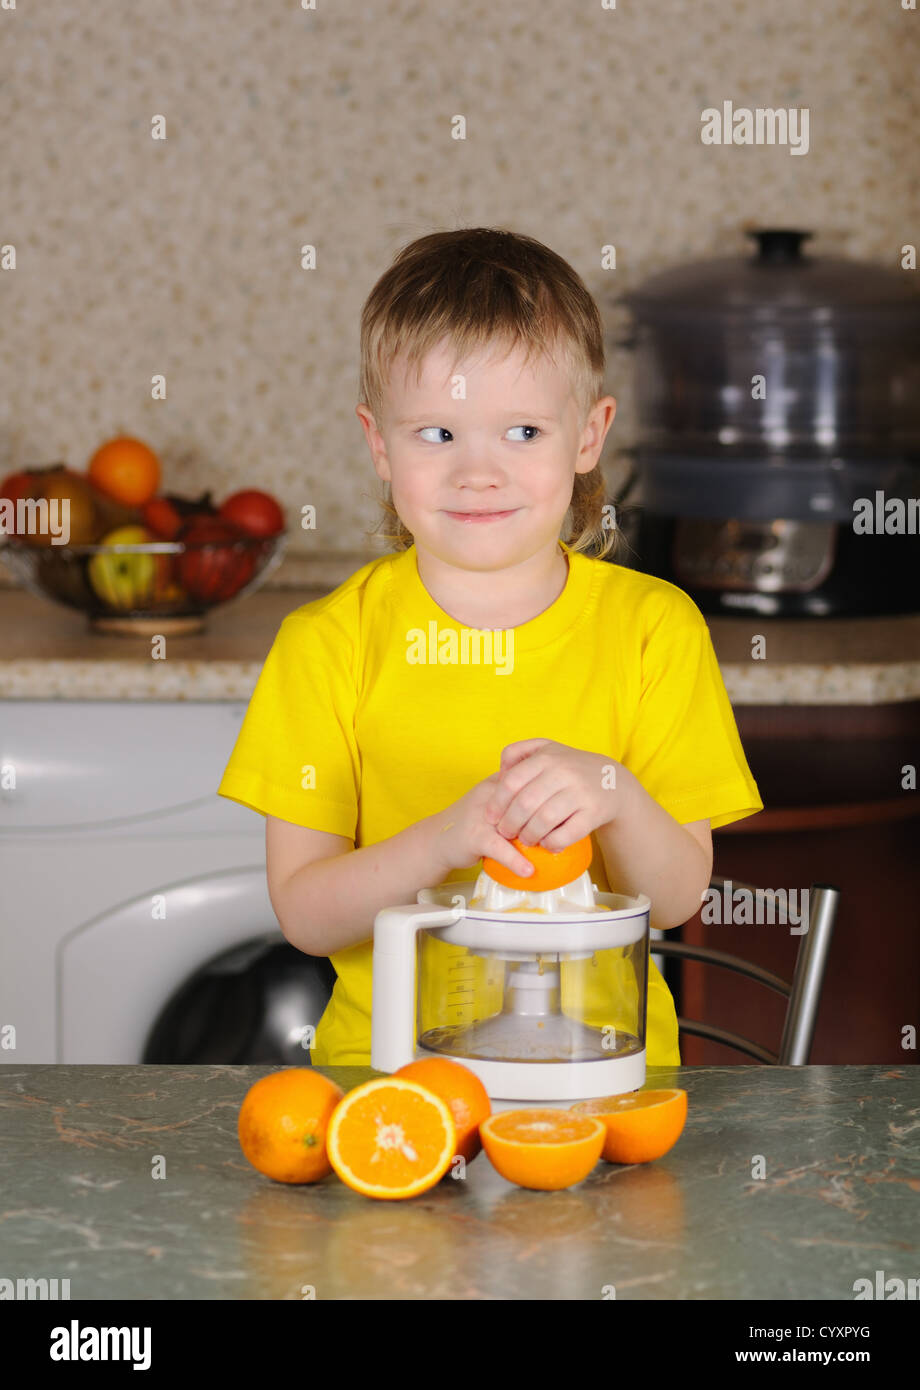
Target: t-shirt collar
column 571, row 607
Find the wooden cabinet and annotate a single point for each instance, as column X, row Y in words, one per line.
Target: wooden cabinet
column 834, row 812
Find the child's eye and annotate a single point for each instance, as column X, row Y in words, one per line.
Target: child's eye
column 440, row 429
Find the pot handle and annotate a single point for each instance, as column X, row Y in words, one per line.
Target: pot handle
column 779, row 245
column 393, row 1007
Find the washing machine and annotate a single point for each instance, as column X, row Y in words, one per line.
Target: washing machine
column 135, row 921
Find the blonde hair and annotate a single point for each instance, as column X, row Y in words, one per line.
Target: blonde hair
column 483, row 287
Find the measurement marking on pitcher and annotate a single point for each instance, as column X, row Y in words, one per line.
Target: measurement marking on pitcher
column 460, row 994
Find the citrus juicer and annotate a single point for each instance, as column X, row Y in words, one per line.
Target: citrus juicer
column 538, row 985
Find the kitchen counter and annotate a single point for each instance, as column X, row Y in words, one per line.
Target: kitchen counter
column 49, row 652
column 837, row 1201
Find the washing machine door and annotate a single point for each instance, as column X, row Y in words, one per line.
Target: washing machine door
column 159, row 979
column 259, row 1002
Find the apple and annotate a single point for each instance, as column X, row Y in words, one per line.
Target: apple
column 213, row 569
column 256, row 512
column 125, row 581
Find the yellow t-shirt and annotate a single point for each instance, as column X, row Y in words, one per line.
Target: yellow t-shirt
column 620, row 664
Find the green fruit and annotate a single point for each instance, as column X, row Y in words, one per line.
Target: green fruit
column 124, row 581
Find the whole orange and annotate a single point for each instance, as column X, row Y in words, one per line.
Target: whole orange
column 461, row 1089
column 126, row 470
column 282, row 1124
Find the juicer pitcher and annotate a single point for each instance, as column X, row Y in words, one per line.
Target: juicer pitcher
column 540, row 1005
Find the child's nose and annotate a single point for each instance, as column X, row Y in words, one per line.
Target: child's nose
column 477, row 469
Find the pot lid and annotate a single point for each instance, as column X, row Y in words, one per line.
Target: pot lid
column 778, row 282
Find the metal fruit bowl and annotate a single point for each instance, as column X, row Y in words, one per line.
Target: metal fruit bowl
column 146, row 589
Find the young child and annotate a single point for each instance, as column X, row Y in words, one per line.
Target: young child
column 385, row 762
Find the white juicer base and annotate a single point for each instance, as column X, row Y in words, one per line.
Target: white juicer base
column 578, row 896
column 554, row 1082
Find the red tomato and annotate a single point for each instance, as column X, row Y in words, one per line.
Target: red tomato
column 162, row 518
column 217, row 571
column 257, row 512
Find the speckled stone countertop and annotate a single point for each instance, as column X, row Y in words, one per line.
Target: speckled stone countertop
column 838, row 1200
column 49, row 652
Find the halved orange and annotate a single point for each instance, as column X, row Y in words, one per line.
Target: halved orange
column 641, row 1125
column 391, row 1138
column 461, row 1090
column 551, row 868
column 545, row 1149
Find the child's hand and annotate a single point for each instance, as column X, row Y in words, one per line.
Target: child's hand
column 464, row 834
column 550, row 794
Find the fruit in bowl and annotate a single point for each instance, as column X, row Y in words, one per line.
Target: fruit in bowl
column 162, row 518
column 54, row 505
column 166, row 515
column 131, row 579
column 218, row 559
column 126, row 470
column 55, row 486
column 256, row 512
column 133, row 560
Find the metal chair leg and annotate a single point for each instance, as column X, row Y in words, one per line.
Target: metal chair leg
column 802, row 1013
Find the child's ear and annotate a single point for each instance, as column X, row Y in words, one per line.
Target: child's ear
column 368, row 422
column 595, row 432
column 375, row 442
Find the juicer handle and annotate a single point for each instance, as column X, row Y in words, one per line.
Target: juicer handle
column 394, row 1001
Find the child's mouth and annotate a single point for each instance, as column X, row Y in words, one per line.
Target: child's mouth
column 475, row 517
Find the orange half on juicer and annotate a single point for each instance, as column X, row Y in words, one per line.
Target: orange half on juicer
column 560, row 881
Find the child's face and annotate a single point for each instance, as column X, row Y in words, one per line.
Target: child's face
column 505, row 438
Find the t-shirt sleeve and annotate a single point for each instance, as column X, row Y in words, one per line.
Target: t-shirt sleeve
column 296, row 756
column 684, row 746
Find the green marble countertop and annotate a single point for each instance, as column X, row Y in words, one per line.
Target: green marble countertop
column 839, row 1199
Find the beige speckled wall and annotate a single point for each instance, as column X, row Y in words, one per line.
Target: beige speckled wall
column 332, row 126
